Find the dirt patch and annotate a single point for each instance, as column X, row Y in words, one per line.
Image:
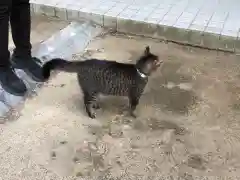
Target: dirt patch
column 234, row 89
column 196, row 161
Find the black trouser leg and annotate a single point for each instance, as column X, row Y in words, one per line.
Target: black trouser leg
column 8, row 79
column 20, row 19
column 5, row 8
column 21, row 26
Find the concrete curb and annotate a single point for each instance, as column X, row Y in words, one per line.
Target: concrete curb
column 137, row 27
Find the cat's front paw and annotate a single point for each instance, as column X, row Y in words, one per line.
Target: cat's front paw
column 90, row 112
column 92, row 115
column 132, row 114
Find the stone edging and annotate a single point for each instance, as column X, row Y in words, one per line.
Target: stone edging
column 185, row 36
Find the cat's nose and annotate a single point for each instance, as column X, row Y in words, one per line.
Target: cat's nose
column 159, row 62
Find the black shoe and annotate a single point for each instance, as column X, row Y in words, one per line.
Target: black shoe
column 30, row 66
column 11, row 83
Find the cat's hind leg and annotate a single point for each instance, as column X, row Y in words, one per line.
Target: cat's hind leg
column 89, row 101
column 95, row 102
column 96, row 105
column 133, row 100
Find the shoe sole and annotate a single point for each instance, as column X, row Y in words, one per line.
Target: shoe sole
column 27, row 72
column 11, row 92
column 31, row 75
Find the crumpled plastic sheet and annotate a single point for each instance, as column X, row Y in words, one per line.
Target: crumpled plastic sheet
column 70, row 40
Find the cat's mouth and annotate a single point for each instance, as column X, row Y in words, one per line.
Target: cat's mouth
column 157, row 64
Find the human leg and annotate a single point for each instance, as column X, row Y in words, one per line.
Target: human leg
column 20, row 19
column 5, row 6
column 8, row 79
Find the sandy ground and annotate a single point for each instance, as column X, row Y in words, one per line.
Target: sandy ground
column 187, row 126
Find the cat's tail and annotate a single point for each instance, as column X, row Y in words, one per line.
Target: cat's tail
column 59, row 64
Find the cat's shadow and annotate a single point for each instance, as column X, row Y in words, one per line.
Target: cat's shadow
column 109, row 105
column 163, row 90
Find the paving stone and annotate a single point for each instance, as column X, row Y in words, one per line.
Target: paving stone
column 196, row 27
column 185, row 18
column 117, row 9
column 216, row 23
column 200, row 19
column 127, row 13
column 156, row 17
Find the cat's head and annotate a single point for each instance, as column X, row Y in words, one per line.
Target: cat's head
column 148, row 62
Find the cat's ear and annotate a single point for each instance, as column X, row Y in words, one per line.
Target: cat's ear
column 147, row 50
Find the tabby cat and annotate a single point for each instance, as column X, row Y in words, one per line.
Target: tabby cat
column 108, row 78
